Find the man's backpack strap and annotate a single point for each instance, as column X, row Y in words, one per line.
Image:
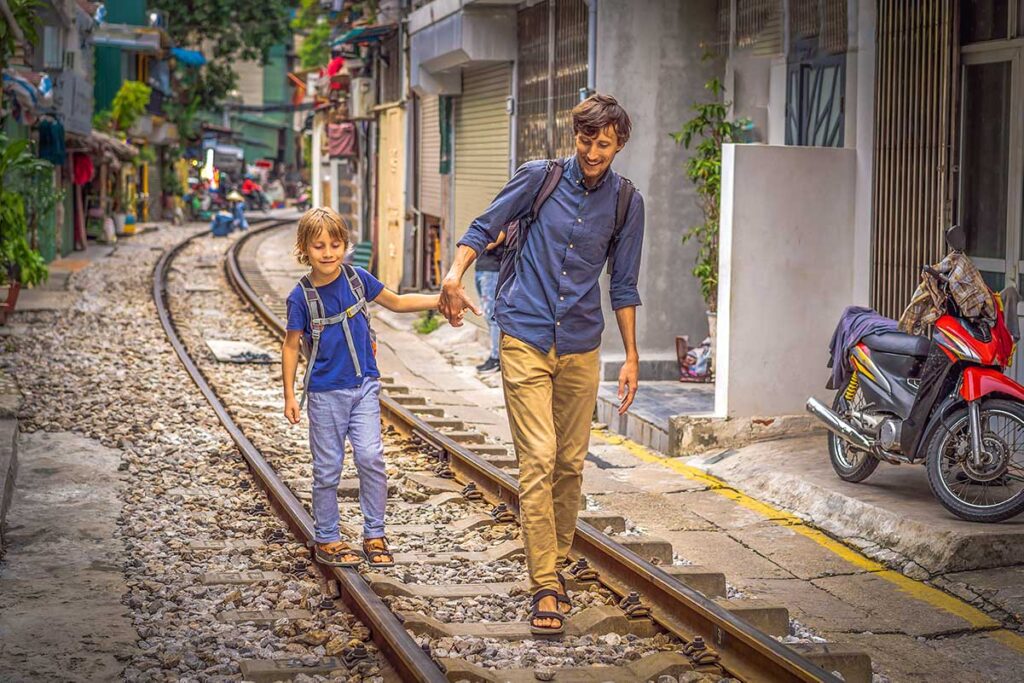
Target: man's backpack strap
column 516, row 231
column 552, row 174
column 622, row 202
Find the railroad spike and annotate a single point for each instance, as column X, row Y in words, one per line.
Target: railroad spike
column 471, row 492
column 502, row 514
column 633, row 607
column 355, row 654
column 583, row 572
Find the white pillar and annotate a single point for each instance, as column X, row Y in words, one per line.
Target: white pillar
column 316, row 163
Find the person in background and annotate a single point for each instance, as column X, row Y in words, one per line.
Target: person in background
column 487, row 265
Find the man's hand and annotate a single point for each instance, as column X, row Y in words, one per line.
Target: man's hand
column 453, row 302
column 291, row 410
column 629, row 377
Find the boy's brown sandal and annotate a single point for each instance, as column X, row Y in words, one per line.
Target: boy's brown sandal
column 377, row 552
column 335, row 554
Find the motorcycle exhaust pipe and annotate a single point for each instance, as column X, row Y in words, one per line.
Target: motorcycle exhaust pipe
column 837, row 425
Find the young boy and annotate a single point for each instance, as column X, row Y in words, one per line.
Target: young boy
column 343, row 403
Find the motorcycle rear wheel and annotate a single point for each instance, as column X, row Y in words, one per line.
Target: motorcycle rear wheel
column 851, row 464
column 949, row 474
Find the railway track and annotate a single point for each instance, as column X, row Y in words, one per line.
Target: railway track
column 670, row 627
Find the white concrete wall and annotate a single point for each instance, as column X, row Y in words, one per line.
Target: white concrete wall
column 786, row 272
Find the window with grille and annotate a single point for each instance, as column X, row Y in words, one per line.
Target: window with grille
column 552, row 70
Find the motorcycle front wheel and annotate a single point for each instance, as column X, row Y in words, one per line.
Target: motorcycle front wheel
column 851, row 464
column 991, row 490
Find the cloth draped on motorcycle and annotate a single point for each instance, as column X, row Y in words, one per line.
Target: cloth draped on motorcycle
column 966, row 286
column 855, row 323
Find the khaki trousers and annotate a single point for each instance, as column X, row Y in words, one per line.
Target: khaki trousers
column 550, row 401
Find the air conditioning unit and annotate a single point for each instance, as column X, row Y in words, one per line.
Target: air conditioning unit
column 364, row 98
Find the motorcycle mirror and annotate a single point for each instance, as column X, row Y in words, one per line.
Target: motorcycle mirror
column 956, row 238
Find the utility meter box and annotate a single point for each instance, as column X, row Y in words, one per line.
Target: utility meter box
column 364, row 98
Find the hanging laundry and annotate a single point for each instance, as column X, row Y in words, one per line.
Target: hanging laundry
column 341, row 139
column 51, row 142
column 82, row 169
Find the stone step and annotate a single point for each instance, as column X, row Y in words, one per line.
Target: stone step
column 493, row 449
column 348, row 488
column 596, row 621
column 466, row 524
column 502, row 551
column 445, row 423
column 384, row 585
column 610, row 524
column 433, row 484
column 422, row 411
column 648, row 547
column 648, row 668
column 396, row 389
column 854, row 666
column 504, row 460
column 771, row 619
column 466, row 437
column 701, row 579
column 409, row 400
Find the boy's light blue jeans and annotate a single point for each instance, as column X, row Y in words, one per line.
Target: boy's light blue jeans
column 334, row 416
column 486, row 283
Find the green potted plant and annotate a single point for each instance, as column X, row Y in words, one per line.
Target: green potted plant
column 20, row 264
column 710, row 126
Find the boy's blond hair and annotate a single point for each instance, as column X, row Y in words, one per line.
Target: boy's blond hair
column 312, row 223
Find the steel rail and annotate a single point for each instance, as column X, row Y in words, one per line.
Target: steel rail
column 745, row 651
column 408, row 659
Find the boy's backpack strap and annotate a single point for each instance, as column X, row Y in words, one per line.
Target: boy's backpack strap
column 315, row 306
column 622, row 202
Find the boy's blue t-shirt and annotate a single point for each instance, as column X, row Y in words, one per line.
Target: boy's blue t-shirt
column 334, row 368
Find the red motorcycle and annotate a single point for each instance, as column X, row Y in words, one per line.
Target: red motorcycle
column 943, row 402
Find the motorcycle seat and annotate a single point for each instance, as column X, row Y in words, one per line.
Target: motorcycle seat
column 898, row 343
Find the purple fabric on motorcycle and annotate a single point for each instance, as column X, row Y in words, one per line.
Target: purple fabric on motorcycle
column 855, row 323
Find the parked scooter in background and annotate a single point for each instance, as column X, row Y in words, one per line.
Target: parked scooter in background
column 255, row 198
column 941, row 401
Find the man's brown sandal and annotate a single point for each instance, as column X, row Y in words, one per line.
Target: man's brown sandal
column 536, row 614
column 563, row 598
column 334, row 554
column 378, row 554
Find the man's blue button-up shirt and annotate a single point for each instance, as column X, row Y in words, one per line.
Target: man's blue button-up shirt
column 554, row 299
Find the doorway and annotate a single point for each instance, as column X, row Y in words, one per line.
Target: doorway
column 990, row 188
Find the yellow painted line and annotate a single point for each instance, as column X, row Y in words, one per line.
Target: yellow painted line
column 915, row 589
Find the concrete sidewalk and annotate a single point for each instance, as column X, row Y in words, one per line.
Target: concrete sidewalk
column 913, row 630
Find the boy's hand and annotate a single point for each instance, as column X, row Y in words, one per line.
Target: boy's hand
column 453, row 302
column 291, row 410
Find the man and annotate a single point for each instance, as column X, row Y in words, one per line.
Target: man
column 549, row 312
column 487, row 265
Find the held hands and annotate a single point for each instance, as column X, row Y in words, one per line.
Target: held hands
column 291, row 410
column 453, row 302
column 628, row 381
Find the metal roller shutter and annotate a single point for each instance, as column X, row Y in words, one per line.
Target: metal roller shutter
column 481, row 141
column 430, row 157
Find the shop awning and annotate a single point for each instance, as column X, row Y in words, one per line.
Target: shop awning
column 127, row 37
column 192, row 58
column 123, row 150
column 365, row 34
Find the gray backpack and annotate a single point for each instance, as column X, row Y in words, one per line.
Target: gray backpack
column 318, row 320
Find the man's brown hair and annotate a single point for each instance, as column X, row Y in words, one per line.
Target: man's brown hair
column 599, row 111
column 310, row 225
